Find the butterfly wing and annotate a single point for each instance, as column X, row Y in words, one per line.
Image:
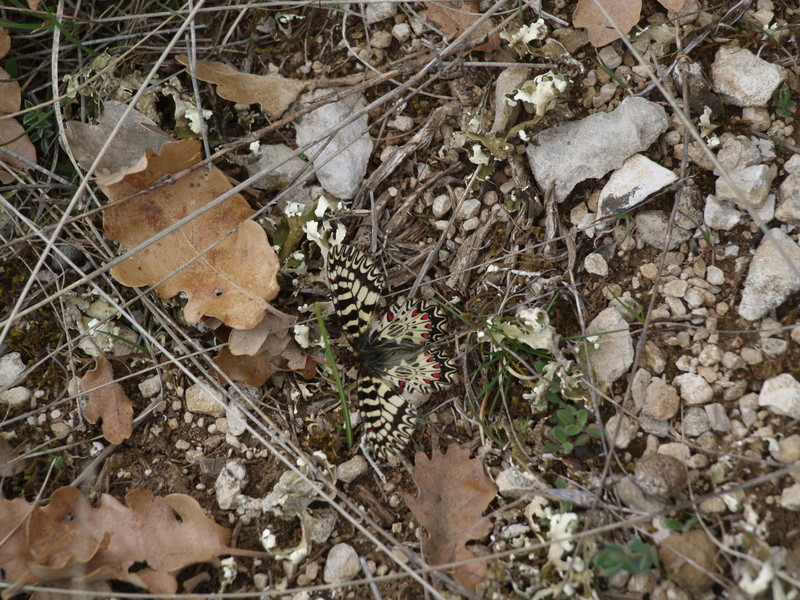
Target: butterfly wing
column 356, row 285
column 388, row 418
column 425, row 371
column 413, row 323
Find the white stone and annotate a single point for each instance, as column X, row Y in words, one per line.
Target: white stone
column 16, row 396
column 715, row 275
column 744, row 79
column 636, row 180
column 375, row 11
column 718, row 417
column 469, row 209
column 595, row 264
column 753, row 182
column 661, row 401
column 340, row 158
column 557, row 160
column 471, row 224
column 720, row 215
column 788, row 210
column 675, row 287
column 695, row 421
column 790, row 497
column 615, row 350
column 11, row 367
column 341, row 565
column 381, row 39
column 781, row 395
column 150, row 386
column 228, row 486
column 625, row 432
column 350, row 470
column 441, row 205
column 236, row 420
column 653, row 226
column 402, row 123
column 770, row 279
column 401, row 32
column 694, row 389
column 201, row 399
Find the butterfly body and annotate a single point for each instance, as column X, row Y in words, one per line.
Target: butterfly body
column 392, row 352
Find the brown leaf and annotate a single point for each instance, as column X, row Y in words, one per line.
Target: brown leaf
column 625, row 13
column 453, row 18
column 231, row 280
column 12, row 134
column 5, row 42
column 10, row 462
column 108, row 402
column 81, row 547
column 453, row 493
column 126, row 152
column 274, row 93
column 10, row 94
column 254, row 355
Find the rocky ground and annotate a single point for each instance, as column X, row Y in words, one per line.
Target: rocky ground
column 611, row 226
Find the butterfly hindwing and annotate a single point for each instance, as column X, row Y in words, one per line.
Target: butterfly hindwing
column 388, row 418
column 356, row 284
column 426, row 371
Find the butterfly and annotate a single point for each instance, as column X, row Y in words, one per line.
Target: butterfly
column 392, row 352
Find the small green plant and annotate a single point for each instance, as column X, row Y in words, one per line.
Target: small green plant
column 783, row 103
column 571, row 428
column 676, row 525
column 634, row 557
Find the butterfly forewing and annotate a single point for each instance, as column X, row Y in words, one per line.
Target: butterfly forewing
column 356, row 284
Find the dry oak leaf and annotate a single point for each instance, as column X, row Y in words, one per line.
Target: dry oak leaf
column 226, row 275
column 5, row 42
column 254, row 355
column 11, row 463
column 453, row 493
column 456, row 17
column 12, row 134
column 126, row 154
column 274, row 93
column 625, row 13
column 71, row 542
column 108, row 402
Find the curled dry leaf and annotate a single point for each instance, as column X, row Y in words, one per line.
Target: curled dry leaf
column 254, row 355
column 274, row 93
column 453, row 493
column 71, row 544
column 12, row 134
column 226, row 275
column 10, row 462
column 126, row 152
column 625, row 13
column 454, row 18
column 5, row 42
column 108, row 402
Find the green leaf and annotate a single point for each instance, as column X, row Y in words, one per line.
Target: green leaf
column 560, row 434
